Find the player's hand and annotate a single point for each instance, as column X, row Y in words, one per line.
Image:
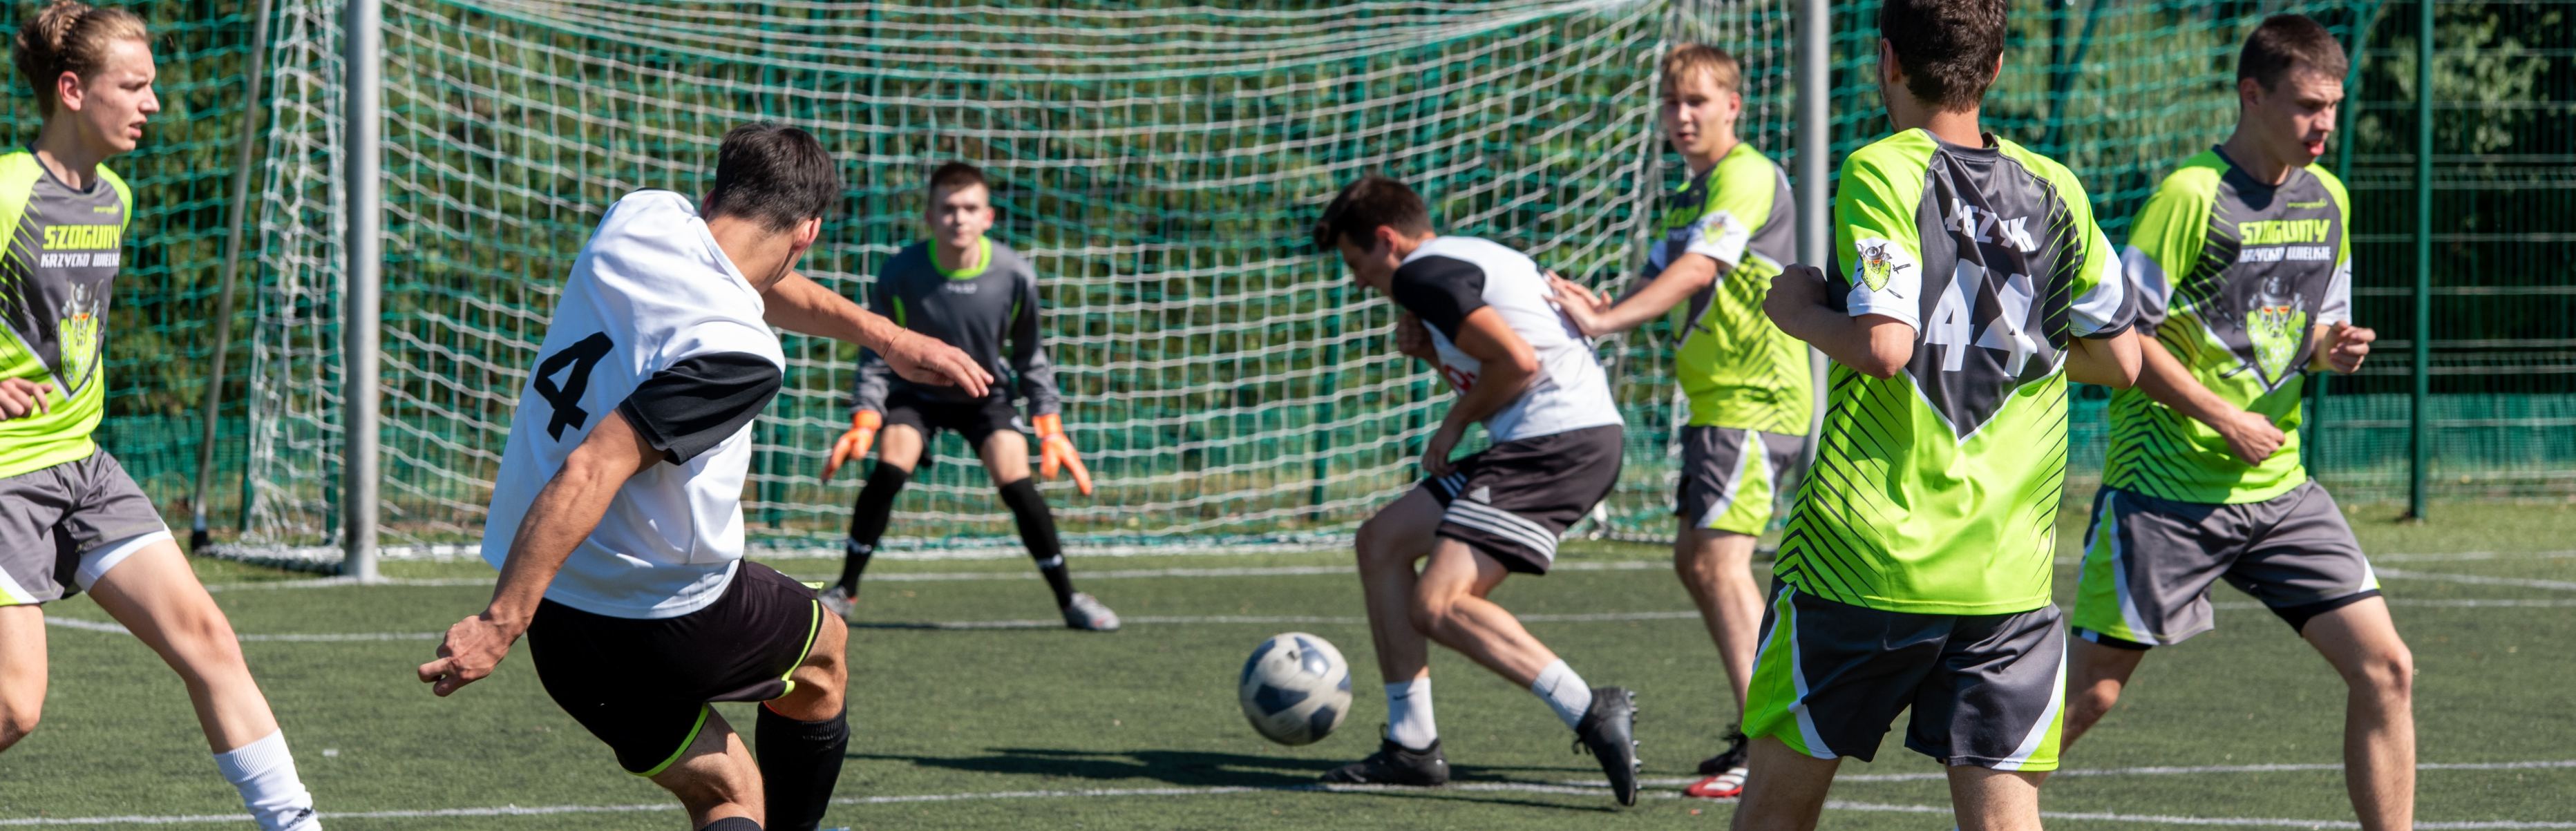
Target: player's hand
column 1435, row 456
column 854, row 444
column 1578, row 303
column 1570, row 293
column 1796, row 289
column 922, row 359
column 1412, row 338
column 20, row 397
column 2346, row 346
column 474, row 646
column 2251, row 435
column 1055, row 451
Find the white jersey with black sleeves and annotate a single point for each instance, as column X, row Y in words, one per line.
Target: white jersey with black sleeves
column 1450, row 277
column 657, row 325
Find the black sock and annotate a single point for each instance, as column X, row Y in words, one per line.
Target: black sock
column 732, row 824
column 799, row 763
column 1037, row 531
column 868, row 522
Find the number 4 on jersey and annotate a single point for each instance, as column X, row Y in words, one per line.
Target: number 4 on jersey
column 566, row 399
column 1954, row 319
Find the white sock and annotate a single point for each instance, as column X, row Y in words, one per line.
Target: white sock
column 1563, row 691
column 265, row 774
column 1408, row 714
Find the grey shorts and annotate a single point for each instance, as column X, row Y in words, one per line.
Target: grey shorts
column 1985, row 690
column 1732, row 478
column 63, row 527
column 2149, row 563
column 1512, row 501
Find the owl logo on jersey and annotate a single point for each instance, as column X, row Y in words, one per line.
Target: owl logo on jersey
column 1878, row 263
column 77, row 331
column 2277, row 326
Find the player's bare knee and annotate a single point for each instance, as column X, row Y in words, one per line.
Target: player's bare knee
column 2389, row 671
column 17, row 719
column 202, row 644
column 2088, row 704
column 1375, row 545
column 1434, row 608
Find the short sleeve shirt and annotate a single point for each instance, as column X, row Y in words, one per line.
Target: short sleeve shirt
column 1736, row 367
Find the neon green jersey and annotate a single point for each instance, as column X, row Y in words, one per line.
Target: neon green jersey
column 63, row 251
column 2232, row 275
column 1935, row 491
column 1736, row 367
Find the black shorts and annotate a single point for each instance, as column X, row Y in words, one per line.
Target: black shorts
column 973, row 420
column 643, row 685
column 1520, row 496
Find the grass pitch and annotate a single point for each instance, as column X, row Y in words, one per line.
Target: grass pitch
column 970, row 711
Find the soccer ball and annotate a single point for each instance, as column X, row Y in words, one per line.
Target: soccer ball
column 1296, row 688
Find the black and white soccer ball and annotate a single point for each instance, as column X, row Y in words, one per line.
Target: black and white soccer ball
column 1296, row 688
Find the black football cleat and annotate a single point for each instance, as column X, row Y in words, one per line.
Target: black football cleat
column 1395, row 764
column 1609, row 731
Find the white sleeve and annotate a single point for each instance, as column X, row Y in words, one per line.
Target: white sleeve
column 2338, row 305
column 2112, row 304
column 1886, row 279
column 1719, row 236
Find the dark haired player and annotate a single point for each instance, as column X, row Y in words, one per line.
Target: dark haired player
column 1970, row 285
column 1482, row 313
column 617, row 522
column 2244, row 274
column 963, row 289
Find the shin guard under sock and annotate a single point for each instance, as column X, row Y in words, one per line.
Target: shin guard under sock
column 1037, row 531
column 799, row 763
column 868, row 521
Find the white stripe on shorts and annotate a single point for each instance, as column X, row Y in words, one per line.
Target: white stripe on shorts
column 2109, row 522
column 1488, row 518
column 2056, row 701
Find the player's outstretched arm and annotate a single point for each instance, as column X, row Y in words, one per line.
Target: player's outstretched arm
column 1875, row 345
column 2111, row 362
column 798, row 304
column 1677, row 283
column 564, row 514
column 2167, row 381
column 1509, row 365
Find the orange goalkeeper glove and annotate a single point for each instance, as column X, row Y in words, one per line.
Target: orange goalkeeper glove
column 854, row 444
column 1056, row 451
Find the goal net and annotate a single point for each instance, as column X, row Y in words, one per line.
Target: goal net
column 1227, row 384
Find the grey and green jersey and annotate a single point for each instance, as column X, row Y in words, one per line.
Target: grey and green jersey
column 976, row 309
column 2232, row 274
column 64, row 248
column 1736, row 367
column 1935, row 491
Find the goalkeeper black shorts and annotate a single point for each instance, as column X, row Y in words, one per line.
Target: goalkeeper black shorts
column 973, row 420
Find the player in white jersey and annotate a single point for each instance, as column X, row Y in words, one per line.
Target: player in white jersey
column 617, row 521
column 1482, row 314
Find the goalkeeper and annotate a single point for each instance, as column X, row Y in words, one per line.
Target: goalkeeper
column 971, row 293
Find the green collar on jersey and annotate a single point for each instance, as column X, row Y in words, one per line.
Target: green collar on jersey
column 983, row 260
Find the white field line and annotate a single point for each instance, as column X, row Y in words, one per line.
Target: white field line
column 1321, row 570
column 2158, row 770
column 2478, row 579
column 1212, row 620
column 1481, row 787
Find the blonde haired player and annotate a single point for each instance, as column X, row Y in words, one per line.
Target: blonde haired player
column 71, row 511
column 1750, row 393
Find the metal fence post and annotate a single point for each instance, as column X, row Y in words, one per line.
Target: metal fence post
column 2419, row 435
column 363, row 309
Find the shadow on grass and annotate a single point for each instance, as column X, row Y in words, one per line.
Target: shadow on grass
column 1217, row 770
